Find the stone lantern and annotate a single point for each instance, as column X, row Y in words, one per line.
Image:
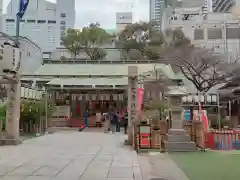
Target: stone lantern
column 177, row 139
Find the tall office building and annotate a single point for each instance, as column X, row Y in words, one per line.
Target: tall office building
column 122, row 20
column 156, row 11
column 223, row 5
column 205, row 5
column 44, row 22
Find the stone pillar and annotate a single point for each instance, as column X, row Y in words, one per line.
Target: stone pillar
column 132, row 100
column 176, row 112
column 12, row 135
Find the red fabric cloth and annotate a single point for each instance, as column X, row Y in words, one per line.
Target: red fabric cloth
column 203, row 117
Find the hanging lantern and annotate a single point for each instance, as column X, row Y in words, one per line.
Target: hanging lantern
column 101, row 97
column 120, row 97
column 184, row 99
column 107, row 97
column 209, row 98
column 115, row 97
column 94, row 97
column 57, row 96
column 189, row 98
column 87, row 97
column 90, row 104
column 73, row 97
column 214, row 98
column 80, row 97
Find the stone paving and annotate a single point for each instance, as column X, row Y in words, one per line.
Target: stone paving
column 69, row 155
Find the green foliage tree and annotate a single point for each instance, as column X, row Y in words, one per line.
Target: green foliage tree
column 89, row 40
column 140, row 41
column 71, row 40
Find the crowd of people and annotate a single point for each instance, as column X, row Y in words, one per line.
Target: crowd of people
column 113, row 121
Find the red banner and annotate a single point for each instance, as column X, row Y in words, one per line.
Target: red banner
column 139, row 99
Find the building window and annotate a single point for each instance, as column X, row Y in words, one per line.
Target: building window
column 31, row 21
column 51, row 22
column 232, row 33
column 10, row 20
column 198, row 34
column 28, row 54
column 214, row 33
column 63, row 22
column 41, row 21
column 22, row 20
column 63, row 15
column 63, row 28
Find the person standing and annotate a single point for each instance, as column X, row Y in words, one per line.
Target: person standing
column 125, row 122
column 112, row 119
column 118, row 121
column 106, row 122
column 86, row 114
column 117, row 134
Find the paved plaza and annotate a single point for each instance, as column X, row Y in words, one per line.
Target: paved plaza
column 70, row 155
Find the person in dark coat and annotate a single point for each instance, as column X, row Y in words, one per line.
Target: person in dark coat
column 112, row 119
column 118, row 121
column 125, row 122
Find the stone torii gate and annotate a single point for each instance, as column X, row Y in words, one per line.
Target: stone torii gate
column 132, row 100
column 10, row 65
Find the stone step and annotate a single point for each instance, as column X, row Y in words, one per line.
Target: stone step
column 176, row 132
column 180, row 150
column 178, row 138
column 180, row 146
column 59, row 123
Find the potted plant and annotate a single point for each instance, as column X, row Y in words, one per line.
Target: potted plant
column 3, row 115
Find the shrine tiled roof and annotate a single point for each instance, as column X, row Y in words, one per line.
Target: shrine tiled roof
column 103, row 70
column 89, row 81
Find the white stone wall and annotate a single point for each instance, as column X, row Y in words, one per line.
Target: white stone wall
column 46, row 32
column 212, row 21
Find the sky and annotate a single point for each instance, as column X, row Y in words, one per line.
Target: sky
column 103, row 11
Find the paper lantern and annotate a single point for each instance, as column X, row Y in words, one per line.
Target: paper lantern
column 87, row 97
column 107, row 97
column 120, row 97
column 94, row 97
column 80, row 97
column 115, row 97
column 101, row 97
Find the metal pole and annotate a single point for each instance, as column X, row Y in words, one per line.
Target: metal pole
column 46, row 112
column 219, row 117
column 18, row 23
column 229, row 109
